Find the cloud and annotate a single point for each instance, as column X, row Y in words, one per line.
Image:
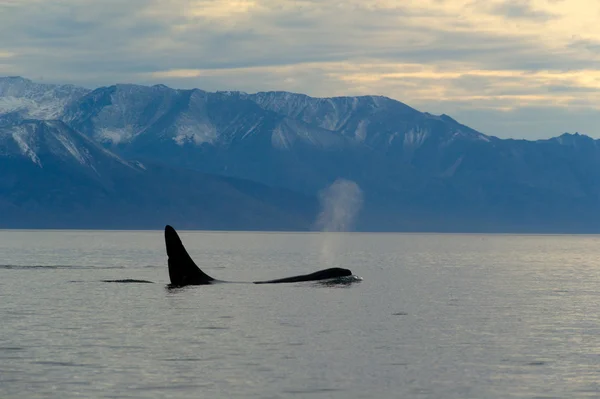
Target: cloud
column 521, row 9
column 593, row 46
column 471, row 56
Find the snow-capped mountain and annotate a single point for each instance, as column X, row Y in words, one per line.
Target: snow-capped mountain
column 277, row 138
column 124, row 114
column 132, row 116
column 117, row 115
column 35, row 100
column 377, row 121
column 418, row 171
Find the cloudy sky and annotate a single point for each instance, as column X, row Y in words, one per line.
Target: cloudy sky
column 511, row 68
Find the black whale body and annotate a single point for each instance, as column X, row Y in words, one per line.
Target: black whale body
column 183, row 271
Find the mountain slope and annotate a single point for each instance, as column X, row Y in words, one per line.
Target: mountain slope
column 53, row 177
column 209, row 132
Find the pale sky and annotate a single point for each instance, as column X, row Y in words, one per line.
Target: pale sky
column 517, row 68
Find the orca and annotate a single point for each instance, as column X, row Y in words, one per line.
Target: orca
column 183, row 271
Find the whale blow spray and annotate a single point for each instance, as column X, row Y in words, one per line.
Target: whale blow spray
column 340, row 204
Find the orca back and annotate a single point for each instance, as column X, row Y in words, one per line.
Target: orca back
column 334, row 272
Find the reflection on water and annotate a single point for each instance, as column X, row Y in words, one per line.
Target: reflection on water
column 434, row 316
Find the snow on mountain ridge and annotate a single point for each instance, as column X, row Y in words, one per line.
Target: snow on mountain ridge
column 83, row 159
column 36, row 100
column 360, row 134
column 52, row 141
column 123, row 114
column 25, row 140
column 374, row 121
column 290, row 131
column 415, row 138
column 327, row 113
column 188, row 132
column 114, row 136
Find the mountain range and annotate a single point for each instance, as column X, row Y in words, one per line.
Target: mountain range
column 130, row 156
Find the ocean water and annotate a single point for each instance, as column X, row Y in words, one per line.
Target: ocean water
column 435, row 316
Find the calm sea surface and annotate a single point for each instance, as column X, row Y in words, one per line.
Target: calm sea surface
column 436, row 316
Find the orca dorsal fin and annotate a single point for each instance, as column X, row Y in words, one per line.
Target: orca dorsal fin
column 182, row 269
